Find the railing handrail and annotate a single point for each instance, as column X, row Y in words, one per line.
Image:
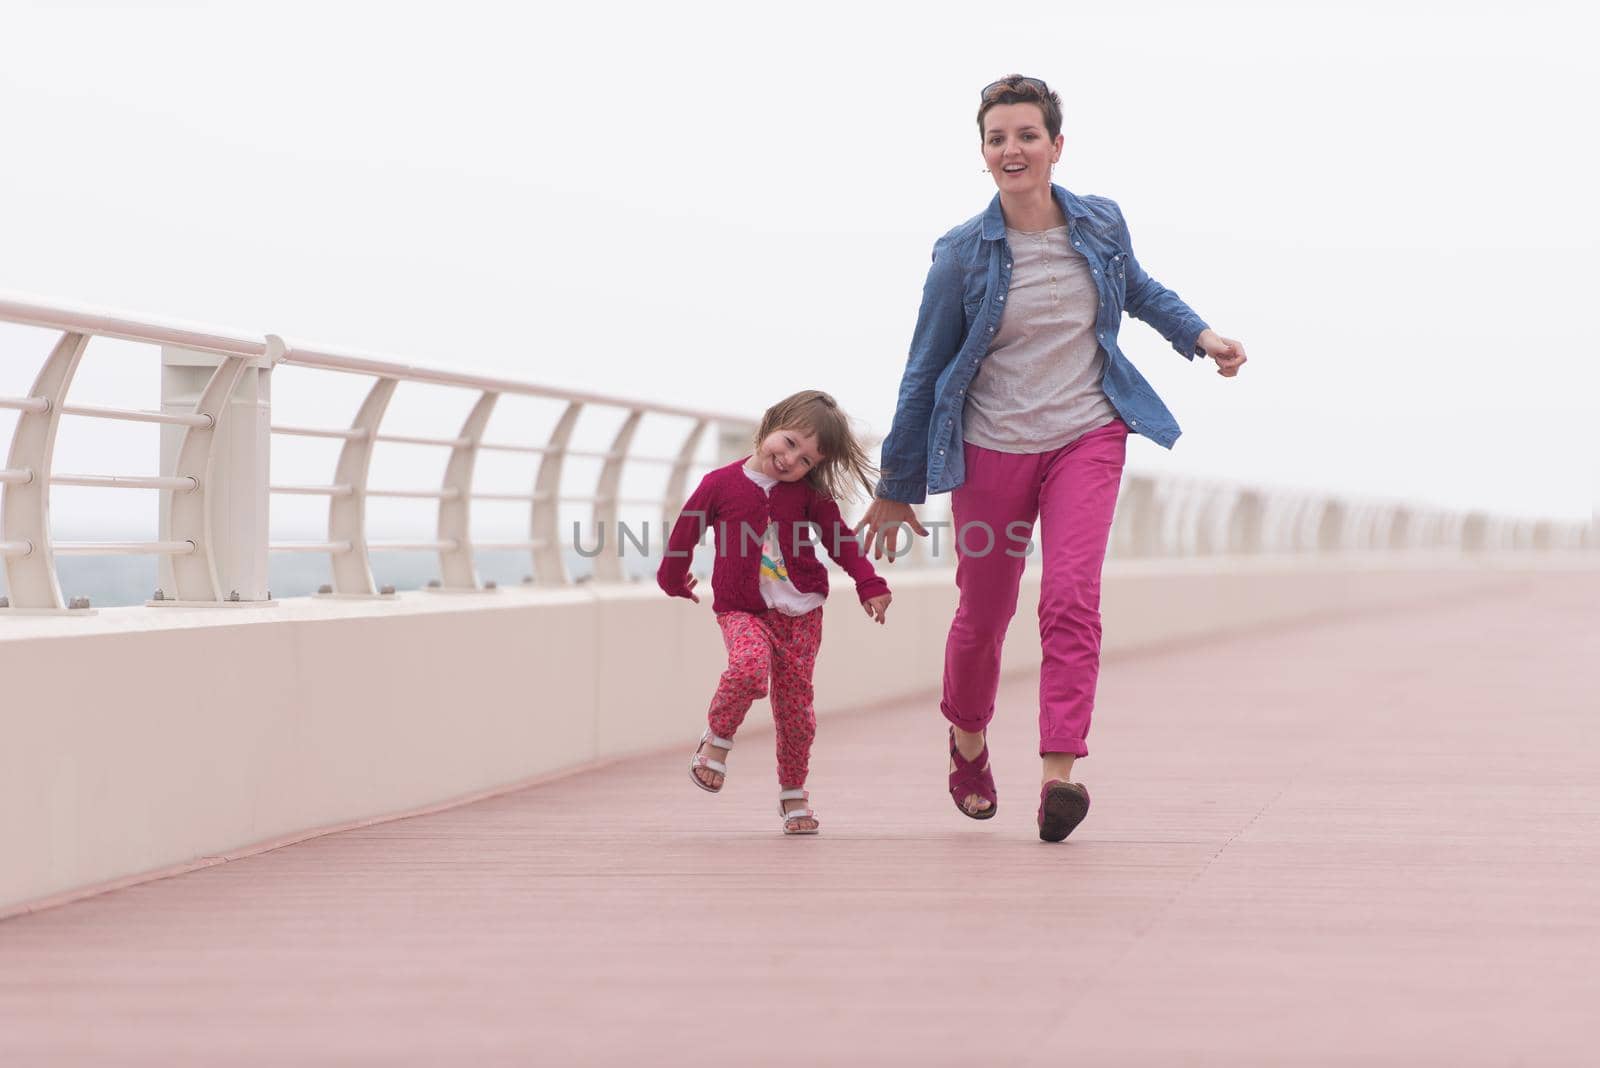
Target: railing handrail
column 99, row 322
column 377, row 366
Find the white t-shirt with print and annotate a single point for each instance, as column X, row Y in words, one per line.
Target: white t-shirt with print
column 776, row 589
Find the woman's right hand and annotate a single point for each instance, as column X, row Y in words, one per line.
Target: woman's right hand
column 882, row 524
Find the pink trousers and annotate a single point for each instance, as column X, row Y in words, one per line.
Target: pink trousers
column 1072, row 492
column 783, row 649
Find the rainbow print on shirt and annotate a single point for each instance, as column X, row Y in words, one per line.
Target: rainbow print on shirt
column 772, row 566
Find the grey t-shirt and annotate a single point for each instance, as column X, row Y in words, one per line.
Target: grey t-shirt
column 1039, row 387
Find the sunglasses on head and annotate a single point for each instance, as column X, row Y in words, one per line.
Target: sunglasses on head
column 1012, row 83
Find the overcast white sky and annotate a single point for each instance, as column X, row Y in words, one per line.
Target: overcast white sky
column 1390, row 203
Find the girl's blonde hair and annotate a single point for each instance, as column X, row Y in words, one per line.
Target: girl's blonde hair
column 844, row 465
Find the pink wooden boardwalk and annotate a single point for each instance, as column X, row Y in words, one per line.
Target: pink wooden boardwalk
column 1366, row 841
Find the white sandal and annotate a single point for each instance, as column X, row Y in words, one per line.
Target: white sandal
column 699, row 760
column 790, row 818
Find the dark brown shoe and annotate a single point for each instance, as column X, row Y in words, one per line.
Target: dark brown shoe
column 1062, row 806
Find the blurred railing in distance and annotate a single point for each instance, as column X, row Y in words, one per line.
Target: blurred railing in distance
column 464, row 469
column 1175, row 516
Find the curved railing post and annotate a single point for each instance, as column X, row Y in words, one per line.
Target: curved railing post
column 1135, row 526
column 1445, row 529
column 1475, row 532
column 31, row 580
column 678, row 479
column 1360, row 520
column 1306, row 523
column 1246, row 524
column 1170, row 497
column 733, row 441
column 607, row 505
column 1332, row 528
column 217, row 438
column 347, row 513
column 1178, row 503
column 1450, row 529
column 1402, row 532
column 544, row 523
column 191, row 516
column 456, row 568
column 1387, row 515
column 1423, row 529
column 1270, row 524
column 1211, row 518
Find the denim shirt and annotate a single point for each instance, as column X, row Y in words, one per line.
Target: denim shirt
column 962, row 302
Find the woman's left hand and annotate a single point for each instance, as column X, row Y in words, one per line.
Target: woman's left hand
column 1228, row 353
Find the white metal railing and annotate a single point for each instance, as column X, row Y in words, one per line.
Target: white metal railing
column 214, row 514
column 349, row 489
column 25, row 501
column 207, row 523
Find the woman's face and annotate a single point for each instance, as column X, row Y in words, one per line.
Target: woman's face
column 1017, row 148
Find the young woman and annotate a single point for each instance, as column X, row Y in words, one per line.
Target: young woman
column 1017, row 399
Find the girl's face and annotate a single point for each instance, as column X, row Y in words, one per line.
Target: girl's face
column 1017, row 148
column 787, row 455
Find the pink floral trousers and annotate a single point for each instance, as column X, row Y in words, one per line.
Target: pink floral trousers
column 782, row 649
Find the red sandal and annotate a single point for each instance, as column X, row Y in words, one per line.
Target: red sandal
column 972, row 778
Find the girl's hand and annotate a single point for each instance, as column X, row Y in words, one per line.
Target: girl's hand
column 882, row 523
column 1228, row 353
column 688, row 589
column 877, row 607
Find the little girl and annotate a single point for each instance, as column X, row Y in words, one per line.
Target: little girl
column 768, row 585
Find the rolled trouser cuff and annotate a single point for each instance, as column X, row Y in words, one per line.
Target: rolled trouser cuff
column 970, row 724
column 1063, row 744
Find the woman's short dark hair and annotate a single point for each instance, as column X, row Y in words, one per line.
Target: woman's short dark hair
column 1016, row 89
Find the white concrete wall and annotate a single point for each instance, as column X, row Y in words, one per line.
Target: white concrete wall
column 139, row 740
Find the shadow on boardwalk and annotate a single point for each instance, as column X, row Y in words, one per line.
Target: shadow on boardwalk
column 1368, row 840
